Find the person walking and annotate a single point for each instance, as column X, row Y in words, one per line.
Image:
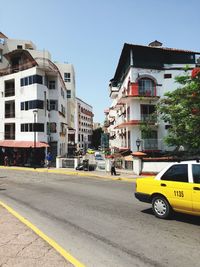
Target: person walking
column 113, row 171
column 49, row 159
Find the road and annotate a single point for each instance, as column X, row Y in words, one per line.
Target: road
column 100, row 222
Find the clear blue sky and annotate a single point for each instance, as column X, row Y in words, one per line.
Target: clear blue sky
column 90, row 34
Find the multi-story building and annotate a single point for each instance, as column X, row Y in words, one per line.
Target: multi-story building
column 33, row 101
column 68, row 74
column 143, row 75
column 84, row 124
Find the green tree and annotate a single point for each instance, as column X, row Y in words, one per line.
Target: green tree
column 180, row 109
column 96, row 137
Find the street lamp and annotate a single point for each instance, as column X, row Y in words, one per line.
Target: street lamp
column 34, row 129
column 138, row 143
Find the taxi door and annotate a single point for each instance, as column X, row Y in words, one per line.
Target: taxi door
column 196, row 187
column 175, row 186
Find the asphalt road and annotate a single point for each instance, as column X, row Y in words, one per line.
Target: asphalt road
column 100, row 222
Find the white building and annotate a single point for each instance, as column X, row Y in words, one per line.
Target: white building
column 30, row 81
column 68, row 74
column 84, row 124
column 143, row 75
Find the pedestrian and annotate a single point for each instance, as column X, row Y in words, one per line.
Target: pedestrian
column 48, row 160
column 6, row 160
column 113, row 171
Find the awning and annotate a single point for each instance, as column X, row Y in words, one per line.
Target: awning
column 25, row 144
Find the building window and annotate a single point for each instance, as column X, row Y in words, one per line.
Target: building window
column 19, row 47
column 167, row 75
column 62, row 92
column 1, row 55
column 32, row 104
column 10, row 109
column 52, row 84
column 146, row 87
column 52, row 127
column 68, row 93
column 62, row 109
column 9, row 88
column 53, row 105
column 67, row 77
column 31, row 127
column 30, row 80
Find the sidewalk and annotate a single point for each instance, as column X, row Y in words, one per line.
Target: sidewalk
column 123, row 175
column 21, row 247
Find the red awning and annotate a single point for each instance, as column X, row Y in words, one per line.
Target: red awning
column 25, row 144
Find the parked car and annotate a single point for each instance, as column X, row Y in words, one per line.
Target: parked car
column 175, row 188
column 98, row 157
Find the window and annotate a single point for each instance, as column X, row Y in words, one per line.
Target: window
column 167, row 75
column 1, row 55
column 32, row 104
column 19, row 47
column 196, row 173
column 67, row 77
column 30, row 80
column 146, row 87
column 68, row 93
column 9, row 88
column 31, row 127
column 62, row 92
column 52, row 127
column 53, row 105
column 176, row 173
column 52, row 84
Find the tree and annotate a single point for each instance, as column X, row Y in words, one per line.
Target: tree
column 180, row 109
column 96, row 137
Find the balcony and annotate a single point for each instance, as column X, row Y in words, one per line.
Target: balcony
column 151, row 118
column 152, row 144
column 9, row 133
column 9, row 136
column 10, row 114
column 10, row 109
column 134, row 91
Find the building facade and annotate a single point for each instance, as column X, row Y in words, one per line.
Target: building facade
column 68, row 74
column 84, row 124
column 33, row 101
column 143, row 75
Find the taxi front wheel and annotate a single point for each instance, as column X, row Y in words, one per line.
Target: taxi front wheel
column 161, row 207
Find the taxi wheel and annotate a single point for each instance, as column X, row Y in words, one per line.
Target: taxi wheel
column 161, row 207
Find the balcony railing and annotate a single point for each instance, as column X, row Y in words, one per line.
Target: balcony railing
column 9, row 136
column 135, row 90
column 152, row 144
column 148, row 117
column 9, row 92
column 10, row 114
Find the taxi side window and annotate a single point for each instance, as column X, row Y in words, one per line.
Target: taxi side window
column 196, row 173
column 177, row 173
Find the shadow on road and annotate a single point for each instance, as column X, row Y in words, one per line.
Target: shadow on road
column 2, row 177
column 179, row 217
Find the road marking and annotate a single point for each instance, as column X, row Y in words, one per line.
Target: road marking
column 49, row 240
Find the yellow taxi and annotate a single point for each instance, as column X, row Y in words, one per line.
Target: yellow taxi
column 90, row 151
column 175, row 188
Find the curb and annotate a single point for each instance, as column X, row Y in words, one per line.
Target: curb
column 50, row 241
column 121, row 178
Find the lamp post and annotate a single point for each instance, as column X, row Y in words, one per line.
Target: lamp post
column 138, row 143
column 34, row 129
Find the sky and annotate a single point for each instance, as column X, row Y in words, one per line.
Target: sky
column 90, row 34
